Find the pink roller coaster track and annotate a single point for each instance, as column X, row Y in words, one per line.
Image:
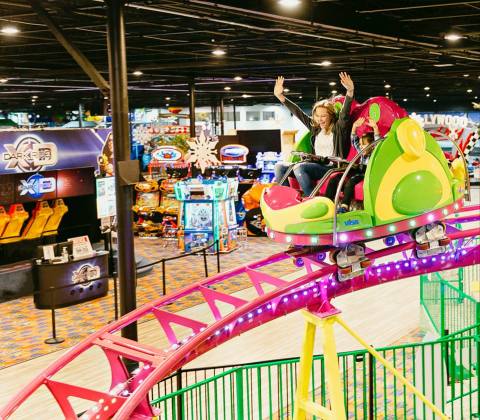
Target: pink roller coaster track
column 127, row 394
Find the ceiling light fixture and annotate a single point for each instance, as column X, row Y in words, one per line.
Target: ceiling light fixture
column 453, row 36
column 10, row 30
column 246, row 96
column 300, row 97
column 412, row 68
column 289, row 4
column 35, row 97
column 426, row 88
column 168, row 98
column 324, row 63
column 443, row 65
column 334, row 92
column 227, row 88
column 5, row 80
column 286, row 90
column 332, row 83
column 218, row 52
column 469, row 90
column 405, row 99
column 237, row 78
column 434, row 100
column 49, row 106
column 137, row 73
column 427, row 95
column 466, row 75
column 387, row 86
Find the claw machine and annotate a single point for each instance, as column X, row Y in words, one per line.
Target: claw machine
column 207, row 213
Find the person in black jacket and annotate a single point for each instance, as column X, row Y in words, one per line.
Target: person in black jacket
column 330, row 136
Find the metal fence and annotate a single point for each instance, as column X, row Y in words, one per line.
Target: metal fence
column 444, row 370
column 449, row 299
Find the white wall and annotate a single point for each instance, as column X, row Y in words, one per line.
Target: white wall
column 283, row 119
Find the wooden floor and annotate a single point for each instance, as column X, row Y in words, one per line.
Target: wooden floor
column 381, row 316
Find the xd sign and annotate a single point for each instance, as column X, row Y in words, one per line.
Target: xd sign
column 37, row 185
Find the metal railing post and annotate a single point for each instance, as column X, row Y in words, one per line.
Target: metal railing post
column 53, row 339
column 239, row 393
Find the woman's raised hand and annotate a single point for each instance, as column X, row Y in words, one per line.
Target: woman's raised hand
column 347, row 83
column 278, row 89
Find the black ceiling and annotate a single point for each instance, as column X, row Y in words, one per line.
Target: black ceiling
column 400, row 43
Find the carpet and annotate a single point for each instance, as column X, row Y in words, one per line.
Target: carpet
column 24, row 328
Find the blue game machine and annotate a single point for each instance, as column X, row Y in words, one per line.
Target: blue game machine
column 207, row 213
column 266, row 162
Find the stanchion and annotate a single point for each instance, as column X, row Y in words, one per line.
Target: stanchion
column 164, row 282
column 53, row 339
column 115, row 295
column 205, row 264
column 217, row 247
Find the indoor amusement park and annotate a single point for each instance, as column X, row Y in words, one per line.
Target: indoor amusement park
column 239, row 210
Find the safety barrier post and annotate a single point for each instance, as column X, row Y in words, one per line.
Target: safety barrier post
column 239, row 392
column 53, row 339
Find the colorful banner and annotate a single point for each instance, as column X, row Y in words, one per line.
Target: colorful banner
column 46, row 150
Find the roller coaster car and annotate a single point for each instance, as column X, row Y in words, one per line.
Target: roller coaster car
column 408, row 186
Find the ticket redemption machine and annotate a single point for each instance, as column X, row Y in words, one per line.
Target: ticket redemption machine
column 207, row 214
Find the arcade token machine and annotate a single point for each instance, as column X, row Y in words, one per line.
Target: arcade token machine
column 207, row 213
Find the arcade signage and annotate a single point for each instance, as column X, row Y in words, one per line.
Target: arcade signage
column 40, row 150
column 37, row 185
column 84, row 273
column 453, row 121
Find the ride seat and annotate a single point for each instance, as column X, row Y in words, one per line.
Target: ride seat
column 359, row 191
column 323, row 189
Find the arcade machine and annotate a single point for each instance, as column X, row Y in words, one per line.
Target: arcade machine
column 36, row 224
column 266, row 161
column 207, row 213
column 59, row 209
column 16, row 219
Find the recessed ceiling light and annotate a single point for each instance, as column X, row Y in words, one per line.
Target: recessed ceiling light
column 286, row 90
column 405, row 99
column 324, row 63
column 443, row 65
column 137, row 73
column 427, row 95
column 231, row 100
column 227, row 88
column 38, row 115
column 332, row 83
column 412, row 68
column 387, row 86
column 453, row 37
column 105, row 97
column 334, row 92
column 168, row 98
column 49, row 106
column 300, row 97
column 5, row 80
column 218, row 52
column 469, row 90
column 167, row 104
column 426, row 88
column 289, row 4
column 466, row 75
column 246, row 96
column 35, row 97
column 434, row 100
column 238, row 78
column 476, row 97
column 9, row 30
